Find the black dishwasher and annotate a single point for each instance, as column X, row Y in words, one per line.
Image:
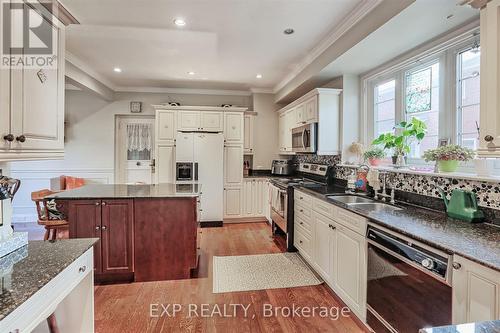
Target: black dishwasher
column 408, row 284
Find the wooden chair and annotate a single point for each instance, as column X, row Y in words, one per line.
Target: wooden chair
column 53, row 227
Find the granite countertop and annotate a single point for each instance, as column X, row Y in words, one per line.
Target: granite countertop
column 28, row 269
column 481, row 327
column 123, row 191
column 478, row 242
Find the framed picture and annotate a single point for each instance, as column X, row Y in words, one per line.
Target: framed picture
column 136, row 107
column 444, row 142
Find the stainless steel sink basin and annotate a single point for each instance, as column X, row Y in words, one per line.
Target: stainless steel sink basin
column 375, row 207
column 350, row 199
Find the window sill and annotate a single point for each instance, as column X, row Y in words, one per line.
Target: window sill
column 417, row 170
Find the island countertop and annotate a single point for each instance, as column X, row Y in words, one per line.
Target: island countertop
column 124, row 191
column 28, row 269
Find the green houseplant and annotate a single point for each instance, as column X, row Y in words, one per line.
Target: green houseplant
column 374, row 155
column 447, row 157
column 405, row 133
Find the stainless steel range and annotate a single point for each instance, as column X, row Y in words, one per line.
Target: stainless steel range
column 281, row 196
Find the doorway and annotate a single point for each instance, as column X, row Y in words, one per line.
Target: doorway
column 134, row 150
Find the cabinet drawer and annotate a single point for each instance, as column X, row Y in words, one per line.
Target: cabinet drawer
column 303, row 244
column 300, row 210
column 324, row 208
column 303, row 199
column 303, row 225
column 350, row 220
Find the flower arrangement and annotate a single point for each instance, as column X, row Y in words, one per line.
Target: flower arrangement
column 448, row 156
column 374, row 155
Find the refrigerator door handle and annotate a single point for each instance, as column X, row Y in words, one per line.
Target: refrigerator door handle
column 196, row 171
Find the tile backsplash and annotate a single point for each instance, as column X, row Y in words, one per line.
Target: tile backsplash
column 488, row 192
column 318, row 159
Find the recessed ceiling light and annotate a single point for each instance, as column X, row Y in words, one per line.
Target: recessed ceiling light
column 117, row 69
column 259, row 76
column 179, row 22
column 191, row 73
column 288, row 31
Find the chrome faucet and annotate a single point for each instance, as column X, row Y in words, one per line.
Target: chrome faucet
column 384, row 194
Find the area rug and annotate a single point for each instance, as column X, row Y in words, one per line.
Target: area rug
column 262, row 271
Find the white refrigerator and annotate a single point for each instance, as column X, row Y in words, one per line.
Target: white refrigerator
column 206, row 152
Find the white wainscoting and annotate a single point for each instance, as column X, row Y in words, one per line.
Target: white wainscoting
column 33, row 180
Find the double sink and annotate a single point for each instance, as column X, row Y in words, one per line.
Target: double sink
column 363, row 203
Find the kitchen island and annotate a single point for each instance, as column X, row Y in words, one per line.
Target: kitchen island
column 146, row 232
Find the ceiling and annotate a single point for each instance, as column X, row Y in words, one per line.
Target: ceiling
column 225, row 42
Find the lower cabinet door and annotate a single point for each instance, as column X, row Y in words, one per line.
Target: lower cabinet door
column 323, row 246
column 349, row 280
column 117, row 236
column 232, row 202
column 476, row 292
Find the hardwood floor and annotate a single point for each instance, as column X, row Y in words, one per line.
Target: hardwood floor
column 127, row 307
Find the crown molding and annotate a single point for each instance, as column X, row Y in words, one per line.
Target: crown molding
column 262, row 90
column 87, row 69
column 189, row 91
column 345, row 25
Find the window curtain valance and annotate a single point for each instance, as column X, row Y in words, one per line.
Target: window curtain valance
column 139, row 138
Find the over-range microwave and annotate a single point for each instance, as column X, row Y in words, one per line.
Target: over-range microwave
column 304, row 138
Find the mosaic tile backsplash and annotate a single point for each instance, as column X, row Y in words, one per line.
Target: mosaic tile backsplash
column 318, row 159
column 488, row 193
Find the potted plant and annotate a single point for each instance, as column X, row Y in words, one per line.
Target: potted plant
column 399, row 142
column 374, row 155
column 447, row 157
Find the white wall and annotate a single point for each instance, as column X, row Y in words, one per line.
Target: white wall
column 265, row 131
column 89, row 146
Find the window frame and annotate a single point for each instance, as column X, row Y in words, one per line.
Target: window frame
column 446, row 54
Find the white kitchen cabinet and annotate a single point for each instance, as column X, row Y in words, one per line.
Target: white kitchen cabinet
column 490, row 79
column 189, row 121
column 233, row 164
column 349, row 277
column 476, row 292
column 212, row 121
column 234, row 127
column 165, row 164
column 254, row 197
column 321, row 105
column 232, row 202
column 248, row 134
column 323, row 246
column 166, row 130
column 32, row 106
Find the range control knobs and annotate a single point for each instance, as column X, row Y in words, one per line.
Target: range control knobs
column 428, row 263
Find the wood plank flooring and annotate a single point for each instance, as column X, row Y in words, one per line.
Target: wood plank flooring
column 127, row 307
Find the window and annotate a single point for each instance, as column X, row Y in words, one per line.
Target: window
column 385, row 107
column 422, row 102
column 468, row 97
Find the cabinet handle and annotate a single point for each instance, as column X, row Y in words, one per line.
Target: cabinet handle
column 104, row 228
column 21, row 138
column 457, row 265
column 488, row 138
column 332, row 227
column 82, row 269
column 8, row 137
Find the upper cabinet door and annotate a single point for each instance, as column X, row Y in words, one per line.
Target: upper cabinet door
column 165, row 126
column 189, row 121
column 311, row 110
column 37, row 94
column 212, row 121
column 234, row 124
column 300, row 114
column 4, row 98
column 248, row 134
column 490, row 80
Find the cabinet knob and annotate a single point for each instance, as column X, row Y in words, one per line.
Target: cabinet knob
column 300, row 242
column 457, row 265
column 104, row 228
column 488, row 138
column 97, row 203
column 8, row 137
column 82, row 269
column 103, row 203
column 21, row 138
column 97, row 227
